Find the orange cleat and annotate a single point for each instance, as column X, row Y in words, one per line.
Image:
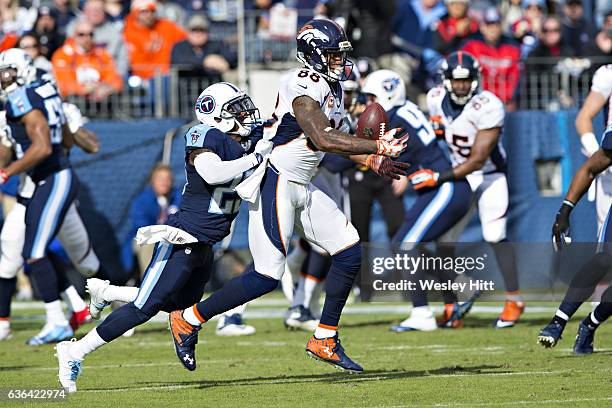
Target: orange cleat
column 330, row 351
column 80, row 318
column 185, row 337
column 510, row 315
column 450, row 317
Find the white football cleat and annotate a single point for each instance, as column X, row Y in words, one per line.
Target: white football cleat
column 51, row 333
column 95, row 288
column 129, row 333
column 233, row 326
column 69, row 368
column 300, row 318
column 5, row 333
column 421, row 319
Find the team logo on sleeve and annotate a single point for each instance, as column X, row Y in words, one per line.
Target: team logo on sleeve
column 206, row 104
column 194, row 137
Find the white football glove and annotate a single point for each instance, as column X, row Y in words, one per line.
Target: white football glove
column 262, row 149
column 389, row 145
column 74, row 117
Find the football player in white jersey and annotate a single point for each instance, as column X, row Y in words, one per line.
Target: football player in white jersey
column 472, row 124
column 309, row 113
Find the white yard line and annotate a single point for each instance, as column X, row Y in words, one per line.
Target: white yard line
column 501, row 404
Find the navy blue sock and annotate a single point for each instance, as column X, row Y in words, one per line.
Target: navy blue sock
column 7, row 288
column 237, row 291
column 121, row 320
column 318, row 265
column 44, row 278
column 60, row 271
column 506, row 259
column 604, row 309
column 344, row 268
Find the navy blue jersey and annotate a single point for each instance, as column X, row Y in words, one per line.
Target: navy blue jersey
column 44, row 97
column 206, row 210
column 606, row 140
column 423, row 151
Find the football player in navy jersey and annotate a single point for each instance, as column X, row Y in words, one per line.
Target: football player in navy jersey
column 36, row 122
column 598, row 162
column 437, row 208
column 216, row 160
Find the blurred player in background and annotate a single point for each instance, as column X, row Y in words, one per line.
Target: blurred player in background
column 437, row 208
column 600, row 161
column 36, row 127
column 216, row 160
column 308, row 114
column 471, row 122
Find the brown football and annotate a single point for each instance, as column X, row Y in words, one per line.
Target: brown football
column 371, row 121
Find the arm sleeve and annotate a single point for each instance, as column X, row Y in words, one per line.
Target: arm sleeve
column 216, row 171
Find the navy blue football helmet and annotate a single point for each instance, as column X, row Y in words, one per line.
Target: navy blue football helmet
column 460, row 65
column 319, row 40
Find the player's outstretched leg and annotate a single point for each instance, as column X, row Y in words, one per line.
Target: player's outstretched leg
column 300, row 316
column 325, row 345
column 185, row 324
column 580, row 289
column 102, row 293
column 588, row 326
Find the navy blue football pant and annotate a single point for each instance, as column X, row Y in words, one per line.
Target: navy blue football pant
column 44, row 215
column 174, row 280
column 435, row 211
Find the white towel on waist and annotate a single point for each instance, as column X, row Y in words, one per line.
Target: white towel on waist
column 163, row 233
column 248, row 189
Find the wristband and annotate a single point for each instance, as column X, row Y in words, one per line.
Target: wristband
column 589, row 143
column 448, row 175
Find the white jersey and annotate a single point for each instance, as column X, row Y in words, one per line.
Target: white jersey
column 483, row 111
column 602, row 84
column 294, row 155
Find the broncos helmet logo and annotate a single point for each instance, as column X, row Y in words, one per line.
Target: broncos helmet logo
column 309, row 34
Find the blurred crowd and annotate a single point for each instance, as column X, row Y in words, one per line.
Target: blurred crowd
column 98, row 47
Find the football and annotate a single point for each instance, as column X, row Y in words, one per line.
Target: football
column 373, row 122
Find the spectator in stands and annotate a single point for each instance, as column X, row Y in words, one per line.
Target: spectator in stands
column 115, row 10
column 498, row 56
column 511, row 11
column 83, row 68
column 528, row 28
column 169, row 10
column 151, row 207
column 197, row 56
column 16, row 19
column 368, row 25
column 601, row 48
column 150, row 39
column 576, row 30
column 107, row 34
column 29, row 43
column 7, row 40
column 552, row 45
column 50, row 38
column 64, row 13
column 412, row 33
column 453, row 28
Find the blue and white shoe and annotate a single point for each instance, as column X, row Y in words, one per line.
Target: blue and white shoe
column 233, row 325
column 550, row 335
column 95, row 288
column 301, row 318
column 69, row 367
column 421, row 319
column 584, row 339
column 51, row 333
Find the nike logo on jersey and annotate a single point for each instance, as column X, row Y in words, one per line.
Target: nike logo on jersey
column 305, row 87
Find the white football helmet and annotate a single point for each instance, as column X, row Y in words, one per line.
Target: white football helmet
column 225, row 107
column 16, row 69
column 388, row 87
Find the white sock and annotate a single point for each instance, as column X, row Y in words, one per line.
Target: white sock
column 190, row 316
column 562, row 315
column 73, row 300
column 5, row 325
column 91, row 341
column 298, row 295
column 321, row 333
column 55, row 314
column 120, row 293
column 309, row 286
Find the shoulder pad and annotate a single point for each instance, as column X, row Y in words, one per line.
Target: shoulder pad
column 195, row 136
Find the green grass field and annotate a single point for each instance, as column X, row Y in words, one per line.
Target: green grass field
column 473, row 366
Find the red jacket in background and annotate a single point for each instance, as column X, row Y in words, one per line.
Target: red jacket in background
column 500, row 64
column 445, row 38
